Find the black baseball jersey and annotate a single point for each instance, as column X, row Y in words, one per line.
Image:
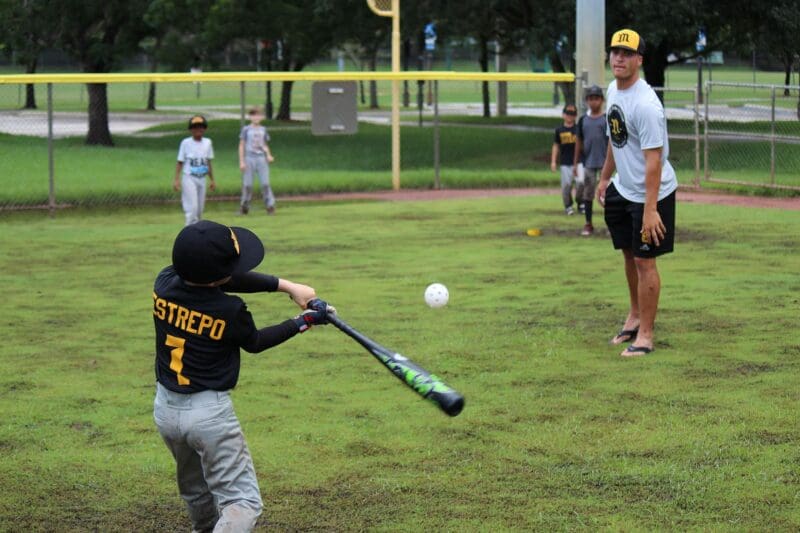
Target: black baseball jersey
column 565, row 138
column 199, row 333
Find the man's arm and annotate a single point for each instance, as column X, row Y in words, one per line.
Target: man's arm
column 554, row 157
column 609, row 166
column 652, row 226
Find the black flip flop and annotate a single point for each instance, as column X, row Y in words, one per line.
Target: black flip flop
column 633, row 351
column 629, row 335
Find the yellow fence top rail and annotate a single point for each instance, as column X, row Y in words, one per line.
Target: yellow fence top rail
column 410, row 75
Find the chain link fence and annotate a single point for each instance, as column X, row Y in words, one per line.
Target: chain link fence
column 46, row 162
column 752, row 135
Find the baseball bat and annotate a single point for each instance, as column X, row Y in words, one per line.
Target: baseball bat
column 427, row 385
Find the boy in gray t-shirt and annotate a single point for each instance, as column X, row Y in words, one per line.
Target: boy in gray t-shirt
column 590, row 149
column 255, row 156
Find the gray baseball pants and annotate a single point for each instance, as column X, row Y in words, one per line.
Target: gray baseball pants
column 585, row 192
column 566, row 185
column 256, row 164
column 193, row 198
column 215, row 472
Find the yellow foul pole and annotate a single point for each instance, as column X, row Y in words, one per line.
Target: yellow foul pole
column 396, row 95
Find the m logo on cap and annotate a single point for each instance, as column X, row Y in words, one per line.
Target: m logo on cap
column 629, row 40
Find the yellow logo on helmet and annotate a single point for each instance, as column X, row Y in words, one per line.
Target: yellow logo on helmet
column 235, row 242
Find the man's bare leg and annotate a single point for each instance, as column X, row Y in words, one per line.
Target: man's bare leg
column 632, row 275
column 649, row 290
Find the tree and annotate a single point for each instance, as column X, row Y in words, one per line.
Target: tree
column 670, row 29
column 360, row 33
column 548, row 28
column 305, row 33
column 97, row 34
column 174, row 36
column 779, row 33
column 27, row 29
column 479, row 20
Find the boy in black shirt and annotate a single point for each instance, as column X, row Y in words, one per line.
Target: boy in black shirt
column 199, row 332
column 563, row 152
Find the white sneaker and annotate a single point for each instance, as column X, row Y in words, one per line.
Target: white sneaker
column 569, row 211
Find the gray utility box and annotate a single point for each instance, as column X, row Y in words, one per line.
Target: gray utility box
column 334, row 110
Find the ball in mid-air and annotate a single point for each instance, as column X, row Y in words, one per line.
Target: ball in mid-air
column 436, row 295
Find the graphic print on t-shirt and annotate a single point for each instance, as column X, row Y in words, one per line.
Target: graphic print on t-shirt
column 617, row 126
column 198, row 166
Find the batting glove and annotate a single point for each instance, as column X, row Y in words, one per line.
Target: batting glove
column 315, row 315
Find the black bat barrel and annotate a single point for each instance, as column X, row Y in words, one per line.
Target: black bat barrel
column 414, row 376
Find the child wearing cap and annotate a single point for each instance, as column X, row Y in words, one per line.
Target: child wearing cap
column 255, row 157
column 563, row 154
column 590, row 149
column 194, row 164
column 199, row 331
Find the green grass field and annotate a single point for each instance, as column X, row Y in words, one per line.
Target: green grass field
column 559, row 432
column 140, row 169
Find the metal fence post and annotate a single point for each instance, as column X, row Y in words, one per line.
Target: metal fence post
column 437, row 182
column 51, row 202
column 241, row 104
column 772, row 141
column 707, row 171
column 696, row 138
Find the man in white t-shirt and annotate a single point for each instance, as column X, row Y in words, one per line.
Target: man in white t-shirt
column 639, row 201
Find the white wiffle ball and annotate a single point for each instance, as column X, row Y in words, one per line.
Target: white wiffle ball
column 436, row 295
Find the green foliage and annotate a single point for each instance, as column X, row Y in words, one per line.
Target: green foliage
column 559, row 433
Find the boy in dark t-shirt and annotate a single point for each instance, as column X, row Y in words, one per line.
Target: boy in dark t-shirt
column 591, row 151
column 199, row 331
column 563, row 154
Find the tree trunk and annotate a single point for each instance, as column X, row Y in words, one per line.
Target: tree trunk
column 373, row 85
column 484, row 63
column 787, row 68
column 567, row 89
column 502, row 86
column 285, row 107
column 151, row 97
column 655, row 67
column 151, row 92
column 30, row 93
column 98, row 115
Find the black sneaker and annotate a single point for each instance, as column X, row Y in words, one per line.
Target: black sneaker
column 243, row 210
column 270, row 210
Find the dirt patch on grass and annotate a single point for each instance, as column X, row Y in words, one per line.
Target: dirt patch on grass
column 684, row 195
column 14, row 387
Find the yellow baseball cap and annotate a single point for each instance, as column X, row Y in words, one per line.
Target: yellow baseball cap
column 627, row 40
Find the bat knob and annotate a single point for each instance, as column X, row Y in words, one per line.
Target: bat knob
column 317, row 305
column 451, row 402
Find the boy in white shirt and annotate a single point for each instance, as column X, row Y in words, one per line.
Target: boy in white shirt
column 194, row 164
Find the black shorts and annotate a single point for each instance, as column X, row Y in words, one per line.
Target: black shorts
column 624, row 221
